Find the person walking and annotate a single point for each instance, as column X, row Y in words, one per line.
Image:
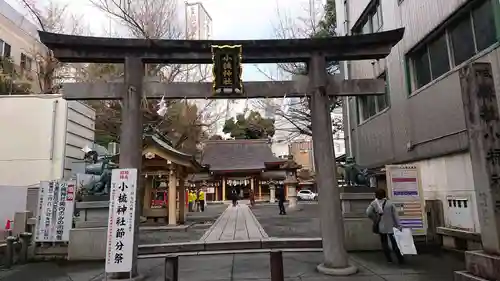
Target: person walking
column 252, row 198
column 201, row 199
column 281, row 200
column 191, row 200
column 385, row 217
column 234, row 196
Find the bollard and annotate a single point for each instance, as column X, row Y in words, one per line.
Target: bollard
column 9, row 252
column 25, row 243
column 172, row 268
column 277, row 266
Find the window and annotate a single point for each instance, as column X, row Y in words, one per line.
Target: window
column 369, row 106
column 458, row 40
column 371, row 19
column 4, row 49
column 462, row 41
column 438, row 53
column 484, row 24
column 422, row 69
column 26, row 62
column 383, row 100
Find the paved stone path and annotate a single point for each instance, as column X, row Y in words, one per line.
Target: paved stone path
column 236, row 223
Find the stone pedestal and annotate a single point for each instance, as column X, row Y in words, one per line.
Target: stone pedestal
column 356, row 222
column 479, row 266
column 87, row 240
column 272, row 191
column 291, row 186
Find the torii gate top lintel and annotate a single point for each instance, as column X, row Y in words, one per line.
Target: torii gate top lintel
column 71, row 48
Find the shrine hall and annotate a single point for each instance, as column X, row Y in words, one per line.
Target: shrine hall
column 241, row 164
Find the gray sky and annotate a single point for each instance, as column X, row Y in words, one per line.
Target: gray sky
column 232, row 19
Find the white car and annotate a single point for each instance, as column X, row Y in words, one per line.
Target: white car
column 306, row 194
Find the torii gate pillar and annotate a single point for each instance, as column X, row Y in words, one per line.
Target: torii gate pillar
column 131, row 142
column 335, row 259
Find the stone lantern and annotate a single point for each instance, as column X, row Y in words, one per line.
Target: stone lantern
column 272, row 191
column 291, row 182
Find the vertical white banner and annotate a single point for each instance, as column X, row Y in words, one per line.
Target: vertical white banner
column 120, row 236
column 55, row 211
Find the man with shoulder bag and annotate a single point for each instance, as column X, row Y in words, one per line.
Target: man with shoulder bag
column 385, row 217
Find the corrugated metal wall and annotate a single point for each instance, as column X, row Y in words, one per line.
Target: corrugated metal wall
column 80, row 132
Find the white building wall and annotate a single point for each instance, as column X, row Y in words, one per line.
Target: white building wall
column 449, row 179
column 280, row 149
column 42, row 135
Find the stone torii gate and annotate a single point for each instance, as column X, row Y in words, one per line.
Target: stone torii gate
column 135, row 53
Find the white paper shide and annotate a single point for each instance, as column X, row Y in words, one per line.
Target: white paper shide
column 55, row 211
column 120, row 236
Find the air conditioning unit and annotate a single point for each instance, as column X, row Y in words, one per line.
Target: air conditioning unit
column 113, row 148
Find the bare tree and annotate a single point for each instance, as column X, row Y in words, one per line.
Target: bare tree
column 317, row 20
column 186, row 123
column 51, row 17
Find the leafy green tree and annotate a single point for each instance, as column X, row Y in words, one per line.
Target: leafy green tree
column 253, row 126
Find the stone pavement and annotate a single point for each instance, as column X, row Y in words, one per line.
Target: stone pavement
column 253, row 267
column 236, row 223
column 240, row 223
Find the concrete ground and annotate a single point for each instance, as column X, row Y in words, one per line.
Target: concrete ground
column 199, row 221
column 303, row 222
column 255, row 267
column 297, row 267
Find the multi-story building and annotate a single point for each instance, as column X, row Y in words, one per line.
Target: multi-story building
column 302, row 152
column 20, row 45
column 421, row 119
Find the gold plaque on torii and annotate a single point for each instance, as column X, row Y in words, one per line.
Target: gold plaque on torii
column 227, row 69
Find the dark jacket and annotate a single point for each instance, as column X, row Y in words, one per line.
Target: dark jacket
column 280, row 193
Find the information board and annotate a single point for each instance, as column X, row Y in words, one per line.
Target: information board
column 405, row 191
column 121, row 220
column 55, row 211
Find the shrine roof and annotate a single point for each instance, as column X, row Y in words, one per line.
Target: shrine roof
column 238, row 155
column 72, row 48
column 154, row 139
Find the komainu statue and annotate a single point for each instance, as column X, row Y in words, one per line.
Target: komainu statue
column 354, row 175
column 100, row 166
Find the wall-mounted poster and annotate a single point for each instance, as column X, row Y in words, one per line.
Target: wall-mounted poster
column 55, row 211
column 404, row 188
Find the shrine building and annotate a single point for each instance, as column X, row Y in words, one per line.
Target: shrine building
column 241, row 164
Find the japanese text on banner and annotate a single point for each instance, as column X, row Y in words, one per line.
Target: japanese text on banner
column 120, row 237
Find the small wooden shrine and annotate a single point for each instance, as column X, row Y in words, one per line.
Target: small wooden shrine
column 164, row 172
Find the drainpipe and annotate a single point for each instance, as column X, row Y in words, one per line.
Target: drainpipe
column 347, row 75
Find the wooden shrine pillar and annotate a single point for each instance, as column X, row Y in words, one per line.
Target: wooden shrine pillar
column 148, row 188
column 182, row 196
column 224, row 188
column 172, row 198
column 252, row 180
column 335, row 259
column 260, row 190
